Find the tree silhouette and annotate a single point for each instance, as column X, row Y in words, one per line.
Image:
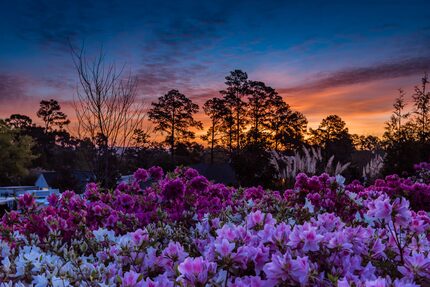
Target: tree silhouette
column 19, row 122
column 15, row 155
column 422, row 109
column 216, row 109
column 368, row 143
column 108, row 110
column 333, row 136
column 51, row 114
column 260, row 100
column 287, row 127
column 173, row 115
column 237, row 89
column 331, row 128
column 395, row 131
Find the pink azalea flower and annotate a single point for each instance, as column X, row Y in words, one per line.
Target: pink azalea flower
column 224, row 248
column 196, row 271
column 130, row 279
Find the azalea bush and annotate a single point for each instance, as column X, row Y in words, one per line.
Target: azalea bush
column 179, row 229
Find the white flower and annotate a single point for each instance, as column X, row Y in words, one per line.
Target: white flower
column 40, row 281
column 5, row 249
column 58, row 282
column 102, row 234
column 6, row 264
column 340, row 180
column 309, row 205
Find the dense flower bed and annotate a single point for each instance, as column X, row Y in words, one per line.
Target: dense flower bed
column 179, row 229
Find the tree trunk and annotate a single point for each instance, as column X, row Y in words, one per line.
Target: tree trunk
column 212, row 143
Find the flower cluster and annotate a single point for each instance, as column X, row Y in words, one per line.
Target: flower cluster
column 180, row 229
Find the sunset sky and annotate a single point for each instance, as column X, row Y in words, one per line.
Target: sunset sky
column 325, row 57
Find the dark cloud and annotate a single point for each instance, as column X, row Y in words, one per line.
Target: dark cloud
column 351, row 76
column 12, row 88
column 56, row 24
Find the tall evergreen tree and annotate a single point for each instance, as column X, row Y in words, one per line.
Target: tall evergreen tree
column 234, row 95
column 287, row 127
column 422, row 110
column 395, row 128
column 260, row 100
column 217, row 111
column 51, row 114
column 173, row 115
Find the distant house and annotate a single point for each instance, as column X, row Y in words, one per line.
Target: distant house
column 54, row 179
column 46, row 180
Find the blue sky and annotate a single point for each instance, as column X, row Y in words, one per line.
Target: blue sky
column 344, row 57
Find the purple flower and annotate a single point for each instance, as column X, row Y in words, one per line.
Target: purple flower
column 126, row 201
column 254, row 193
column 141, row 175
column 191, row 173
column 175, row 251
column 305, row 237
column 196, row 271
column 284, row 268
column 130, row 279
column 258, row 219
column 416, row 264
column 224, row 248
column 380, row 208
column 402, row 214
column 156, row 173
column 199, row 183
column 380, row 282
column 300, row 269
column 174, row 189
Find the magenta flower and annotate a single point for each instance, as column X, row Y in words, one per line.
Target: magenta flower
column 126, row 201
column 174, row 189
column 26, row 201
column 191, row 173
column 141, row 175
column 156, row 173
column 53, row 199
column 199, row 183
column 254, row 193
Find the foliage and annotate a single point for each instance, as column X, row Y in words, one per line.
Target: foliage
column 15, row 155
column 333, row 136
column 181, row 230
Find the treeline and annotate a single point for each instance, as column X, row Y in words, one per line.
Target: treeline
column 248, row 120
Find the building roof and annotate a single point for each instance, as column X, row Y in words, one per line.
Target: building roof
column 218, row 172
